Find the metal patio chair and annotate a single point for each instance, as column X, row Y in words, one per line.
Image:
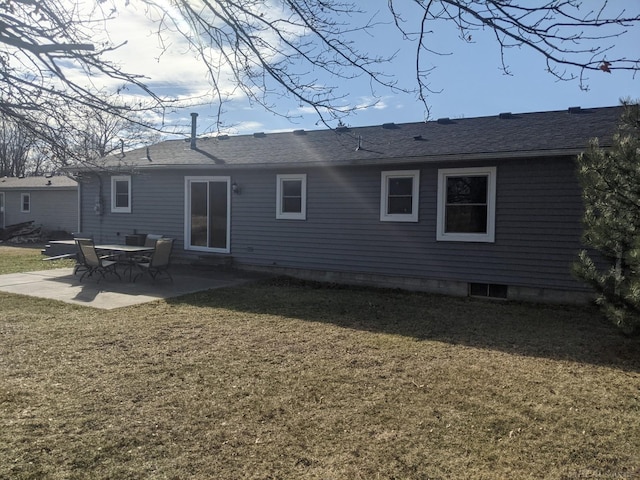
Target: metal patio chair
column 149, row 241
column 80, row 265
column 91, row 262
column 159, row 262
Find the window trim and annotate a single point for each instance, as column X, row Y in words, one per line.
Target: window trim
column 120, row 178
column 188, row 181
column 384, row 196
column 24, row 196
column 443, row 174
column 302, row 215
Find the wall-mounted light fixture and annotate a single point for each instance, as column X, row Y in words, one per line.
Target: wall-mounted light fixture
column 235, row 188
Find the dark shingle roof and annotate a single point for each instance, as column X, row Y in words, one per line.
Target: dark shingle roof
column 500, row 136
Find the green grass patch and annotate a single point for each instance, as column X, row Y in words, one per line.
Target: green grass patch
column 283, row 379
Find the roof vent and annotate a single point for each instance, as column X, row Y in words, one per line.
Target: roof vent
column 418, row 138
column 573, row 110
column 223, row 137
column 299, row 132
column 259, row 135
column 389, row 126
column 194, row 122
column 444, row 121
column 505, row 115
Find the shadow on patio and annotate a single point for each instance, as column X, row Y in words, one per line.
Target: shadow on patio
column 109, row 293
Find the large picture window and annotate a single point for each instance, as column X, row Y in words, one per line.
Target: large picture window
column 121, row 194
column 466, row 204
column 399, row 196
column 291, row 197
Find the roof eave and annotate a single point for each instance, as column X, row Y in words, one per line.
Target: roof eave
column 455, row 157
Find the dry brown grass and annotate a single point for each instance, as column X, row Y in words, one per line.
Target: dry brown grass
column 27, row 258
column 282, row 379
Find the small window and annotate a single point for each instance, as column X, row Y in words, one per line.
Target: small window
column 291, row 197
column 121, row 194
column 399, row 196
column 466, row 204
column 25, row 202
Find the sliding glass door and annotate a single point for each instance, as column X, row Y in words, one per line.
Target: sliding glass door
column 207, row 214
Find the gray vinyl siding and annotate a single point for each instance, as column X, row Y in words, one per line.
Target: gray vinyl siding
column 538, row 224
column 537, row 227
column 50, row 209
column 157, row 207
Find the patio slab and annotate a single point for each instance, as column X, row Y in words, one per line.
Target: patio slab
column 109, row 293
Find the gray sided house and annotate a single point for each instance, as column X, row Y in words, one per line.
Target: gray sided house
column 485, row 206
column 50, row 202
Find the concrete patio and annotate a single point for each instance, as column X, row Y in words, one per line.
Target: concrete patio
column 109, row 293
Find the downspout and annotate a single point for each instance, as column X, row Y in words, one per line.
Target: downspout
column 79, row 206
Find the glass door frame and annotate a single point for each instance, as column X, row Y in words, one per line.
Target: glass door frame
column 188, row 181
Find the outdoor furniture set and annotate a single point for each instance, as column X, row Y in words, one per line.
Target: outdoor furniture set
column 152, row 258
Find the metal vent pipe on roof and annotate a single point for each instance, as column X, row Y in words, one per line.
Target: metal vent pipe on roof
column 194, row 124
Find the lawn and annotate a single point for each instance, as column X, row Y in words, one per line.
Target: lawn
column 291, row 380
column 27, row 258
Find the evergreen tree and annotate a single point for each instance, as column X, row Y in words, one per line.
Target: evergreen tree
column 610, row 181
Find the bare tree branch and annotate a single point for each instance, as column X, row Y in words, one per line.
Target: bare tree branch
column 307, row 51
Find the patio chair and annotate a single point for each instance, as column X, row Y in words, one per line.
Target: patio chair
column 159, row 261
column 149, row 241
column 92, row 262
column 80, row 263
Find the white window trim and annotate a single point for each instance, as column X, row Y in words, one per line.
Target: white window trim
column 187, row 213
column 120, row 178
column 22, row 197
column 443, row 174
column 384, row 196
column 302, row 215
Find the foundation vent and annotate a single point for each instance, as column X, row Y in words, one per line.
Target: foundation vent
column 488, row 290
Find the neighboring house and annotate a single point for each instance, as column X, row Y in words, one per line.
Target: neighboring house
column 50, row 202
column 488, row 206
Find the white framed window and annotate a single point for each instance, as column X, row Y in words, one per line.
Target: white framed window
column 399, row 196
column 291, row 197
column 25, row 202
column 466, row 204
column 121, row 194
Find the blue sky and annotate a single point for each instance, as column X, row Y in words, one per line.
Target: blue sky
column 469, row 80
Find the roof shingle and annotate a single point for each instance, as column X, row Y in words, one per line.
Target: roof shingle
column 499, row 136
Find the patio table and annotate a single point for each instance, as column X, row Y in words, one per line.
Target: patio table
column 127, row 250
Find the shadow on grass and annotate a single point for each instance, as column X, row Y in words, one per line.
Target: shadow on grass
column 556, row 332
